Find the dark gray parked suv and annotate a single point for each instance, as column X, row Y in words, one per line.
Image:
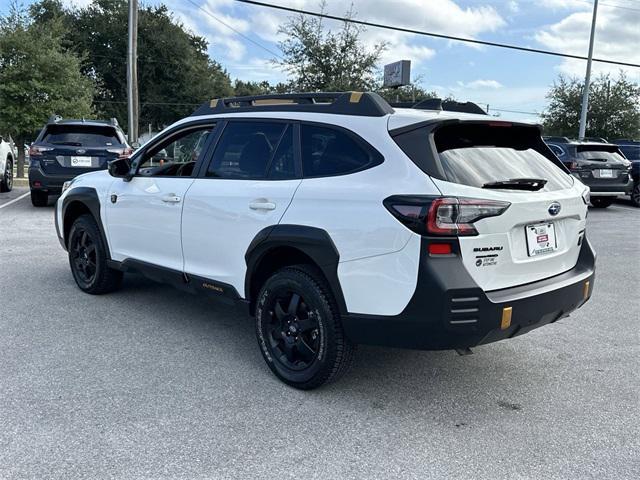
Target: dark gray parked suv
column 631, row 150
column 65, row 149
column 601, row 166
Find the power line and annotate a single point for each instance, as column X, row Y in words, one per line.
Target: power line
column 249, row 39
column 430, row 34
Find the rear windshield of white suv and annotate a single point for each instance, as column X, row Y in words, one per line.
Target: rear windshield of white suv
column 480, row 154
column 81, row 136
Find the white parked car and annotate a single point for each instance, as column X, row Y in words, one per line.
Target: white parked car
column 337, row 220
column 7, row 159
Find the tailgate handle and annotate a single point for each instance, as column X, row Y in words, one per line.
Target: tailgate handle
column 262, row 206
column 171, row 198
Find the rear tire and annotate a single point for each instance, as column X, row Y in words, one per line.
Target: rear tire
column 602, row 202
column 6, row 182
column 635, row 194
column 88, row 258
column 39, row 199
column 299, row 329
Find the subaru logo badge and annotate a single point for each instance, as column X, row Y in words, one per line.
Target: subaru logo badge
column 554, row 208
column 80, row 150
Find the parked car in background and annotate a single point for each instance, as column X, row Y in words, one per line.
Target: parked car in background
column 600, row 166
column 7, row 159
column 631, row 150
column 67, row 148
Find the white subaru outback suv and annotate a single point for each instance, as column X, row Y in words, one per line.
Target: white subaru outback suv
column 336, row 220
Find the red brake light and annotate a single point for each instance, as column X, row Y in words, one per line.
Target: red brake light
column 448, row 216
column 35, row 150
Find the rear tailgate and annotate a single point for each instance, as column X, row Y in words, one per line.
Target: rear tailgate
column 601, row 165
column 73, row 149
column 539, row 234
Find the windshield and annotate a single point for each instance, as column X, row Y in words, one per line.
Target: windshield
column 478, row 166
column 81, row 136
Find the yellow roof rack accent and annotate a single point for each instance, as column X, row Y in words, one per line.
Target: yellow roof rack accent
column 355, row 97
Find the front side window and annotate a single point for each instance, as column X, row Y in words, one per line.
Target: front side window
column 177, row 156
column 245, row 151
column 327, row 152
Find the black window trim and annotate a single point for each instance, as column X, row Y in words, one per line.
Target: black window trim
column 377, row 157
column 166, row 139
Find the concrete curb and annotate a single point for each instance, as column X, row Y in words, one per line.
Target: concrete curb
column 20, row 182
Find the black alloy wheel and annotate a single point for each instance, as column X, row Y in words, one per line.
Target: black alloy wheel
column 635, row 194
column 83, row 254
column 299, row 329
column 294, row 336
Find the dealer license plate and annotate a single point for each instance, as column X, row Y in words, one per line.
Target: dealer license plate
column 606, row 173
column 80, row 161
column 541, row 239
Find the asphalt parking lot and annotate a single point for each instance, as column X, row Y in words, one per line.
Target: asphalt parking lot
column 150, row 382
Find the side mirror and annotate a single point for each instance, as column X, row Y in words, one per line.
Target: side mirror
column 120, row 168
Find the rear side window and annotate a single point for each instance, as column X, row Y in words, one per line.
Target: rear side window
column 632, row 152
column 478, row 155
column 81, row 136
column 328, row 152
column 558, row 151
column 245, row 150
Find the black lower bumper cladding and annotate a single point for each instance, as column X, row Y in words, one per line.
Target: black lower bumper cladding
column 448, row 310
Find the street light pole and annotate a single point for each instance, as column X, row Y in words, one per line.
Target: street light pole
column 132, row 72
column 587, row 78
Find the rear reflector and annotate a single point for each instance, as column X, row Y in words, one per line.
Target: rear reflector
column 506, row 318
column 585, row 293
column 439, row 249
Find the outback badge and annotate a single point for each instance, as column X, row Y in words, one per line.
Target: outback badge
column 554, row 208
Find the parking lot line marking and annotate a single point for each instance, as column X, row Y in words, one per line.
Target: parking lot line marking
column 14, row 200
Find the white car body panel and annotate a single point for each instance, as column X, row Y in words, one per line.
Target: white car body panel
column 392, row 285
column 222, row 216
column 145, row 222
column 5, row 152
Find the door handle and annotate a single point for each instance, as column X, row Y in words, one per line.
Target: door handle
column 171, row 198
column 262, row 206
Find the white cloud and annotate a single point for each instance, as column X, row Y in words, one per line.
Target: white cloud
column 481, row 84
column 617, row 38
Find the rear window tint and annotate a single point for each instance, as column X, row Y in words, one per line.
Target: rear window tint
column 81, row 136
column 476, row 155
column 328, row 151
column 602, row 154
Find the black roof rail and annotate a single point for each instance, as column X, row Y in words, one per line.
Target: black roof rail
column 367, row 104
column 630, row 141
column 553, row 139
column 439, row 104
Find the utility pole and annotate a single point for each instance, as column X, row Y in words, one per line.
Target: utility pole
column 132, row 72
column 587, row 78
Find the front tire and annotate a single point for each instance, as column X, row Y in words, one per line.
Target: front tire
column 39, row 199
column 6, row 183
column 635, row 194
column 299, row 329
column 602, row 202
column 88, row 258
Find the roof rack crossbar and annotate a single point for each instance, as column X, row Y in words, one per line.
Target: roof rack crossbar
column 343, row 103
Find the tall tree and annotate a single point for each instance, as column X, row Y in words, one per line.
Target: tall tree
column 38, row 78
column 319, row 59
column 614, row 108
column 175, row 73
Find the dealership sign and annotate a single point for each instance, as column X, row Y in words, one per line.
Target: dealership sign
column 397, row 74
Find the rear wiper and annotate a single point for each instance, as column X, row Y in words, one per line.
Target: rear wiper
column 72, row 144
column 531, row 184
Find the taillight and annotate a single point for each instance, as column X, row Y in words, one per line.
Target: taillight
column 121, row 152
column 573, row 166
column 36, row 150
column 448, row 216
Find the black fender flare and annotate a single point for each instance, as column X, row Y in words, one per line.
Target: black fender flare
column 88, row 196
column 314, row 242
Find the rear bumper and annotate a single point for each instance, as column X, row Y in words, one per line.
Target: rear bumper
column 448, row 310
column 611, row 189
column 41, row 181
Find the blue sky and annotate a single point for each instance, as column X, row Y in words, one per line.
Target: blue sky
column 504, row 79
